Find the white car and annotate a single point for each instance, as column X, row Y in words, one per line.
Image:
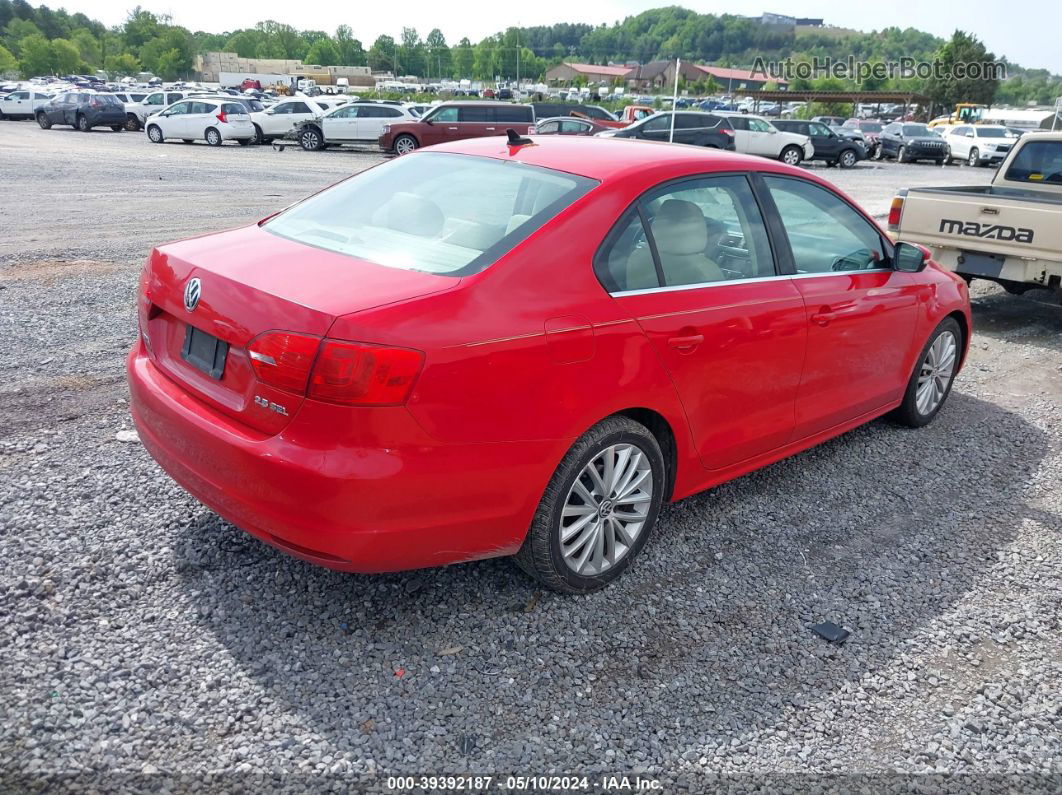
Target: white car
column 754, row 135
column 154, row 102
column 211, row 119
column 355, row 123
column 978, row 144
column 277, row 120
column 22, row 104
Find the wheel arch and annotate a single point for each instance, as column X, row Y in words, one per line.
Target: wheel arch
column 661, row 429
column 964, row 328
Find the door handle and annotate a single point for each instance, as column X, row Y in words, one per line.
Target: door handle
column 823, row 316
column 687, row 343
column 451, row 128
column 490, row 128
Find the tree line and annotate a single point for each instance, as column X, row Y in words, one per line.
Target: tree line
column 40, row 41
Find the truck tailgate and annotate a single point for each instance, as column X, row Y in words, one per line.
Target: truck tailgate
column 1012, row 226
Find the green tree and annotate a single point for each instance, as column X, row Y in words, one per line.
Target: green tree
column 170, row 64
column 351, row 53
column 121, row 65
column 411, row 53
column 381, row 55
column 18, row 29
column 35, row 56
column 140, row 27
column 438, row 53
column 8, row 62
column 65, row 56
column 462, row 57
column 323, row 52
column 88, row 46
column 965, row 49
column 244, row 43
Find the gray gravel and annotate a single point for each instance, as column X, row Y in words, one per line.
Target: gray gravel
column 144, row 638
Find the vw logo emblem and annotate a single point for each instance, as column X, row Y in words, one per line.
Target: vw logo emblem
column 192, row 292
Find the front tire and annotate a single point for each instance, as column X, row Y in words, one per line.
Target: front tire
column 791, row 156
column 934, row 373
column 244, row 141
column 44, row 122
column 404, row 144
column 132, row 123
column 310, row 140
column 901, row 155
column 848, row 159
column 154, row 134
column 598, row 510
column 974, row 158
column 259, row 138
column 117, row 127
column 213, row 137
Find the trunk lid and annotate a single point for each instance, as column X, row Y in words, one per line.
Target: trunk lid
column 251, row 282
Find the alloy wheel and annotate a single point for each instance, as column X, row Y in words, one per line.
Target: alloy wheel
column 848, row 158
column 155, row 135
column 936, row 372
column 310, row 140
column 404, row 145
column 972, row 159
column 606, row 509
column 791, row 157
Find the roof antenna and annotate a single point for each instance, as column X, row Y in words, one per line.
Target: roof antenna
column 515, row 139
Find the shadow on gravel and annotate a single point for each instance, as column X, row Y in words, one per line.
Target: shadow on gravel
column 470, row 668
column 1034, row 318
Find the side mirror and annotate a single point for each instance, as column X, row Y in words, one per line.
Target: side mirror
column 909, row 258
column 428, row 121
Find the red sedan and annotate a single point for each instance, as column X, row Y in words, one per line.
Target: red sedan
column 487, row 349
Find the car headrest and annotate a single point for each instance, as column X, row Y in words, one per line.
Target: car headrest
column 406, row 212
column 679, row 228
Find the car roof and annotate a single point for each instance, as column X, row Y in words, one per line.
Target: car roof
column 611, row 158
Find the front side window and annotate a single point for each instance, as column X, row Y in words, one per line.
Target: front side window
column 179, row 109
column 662, row 122
column 759, row 125
column 701, row 231
column 825, row 233
column 434, row 212
column 448, row 114
column 153, row 99
column 548, row 127
column 1037, row 162
column 819, row 129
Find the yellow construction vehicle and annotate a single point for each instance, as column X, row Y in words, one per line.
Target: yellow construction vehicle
column 965, row 113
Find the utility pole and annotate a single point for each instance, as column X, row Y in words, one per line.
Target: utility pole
column 517, row 58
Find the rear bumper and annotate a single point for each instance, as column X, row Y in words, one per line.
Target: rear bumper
column 362, row 490
column 230, row 132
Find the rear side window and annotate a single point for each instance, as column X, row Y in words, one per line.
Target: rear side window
column 701, row 231
column 825, row 233
column 1037, row 162
column 517, row 113
column 738, row 123
column 434, row 212
column 474, row 113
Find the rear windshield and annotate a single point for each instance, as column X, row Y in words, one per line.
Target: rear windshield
column 919, row 130
column 1037, row 161
column 234, row 109
column 433, row 212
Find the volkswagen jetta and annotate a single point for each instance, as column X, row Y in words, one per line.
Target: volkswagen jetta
column 489, row 348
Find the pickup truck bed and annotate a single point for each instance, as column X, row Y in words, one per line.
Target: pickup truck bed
column 1004, row 232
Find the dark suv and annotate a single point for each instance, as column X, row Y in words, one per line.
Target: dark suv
column 691, row 127
column 834, row 149
column 452, row 121
column 83, row 110
column 909, row 142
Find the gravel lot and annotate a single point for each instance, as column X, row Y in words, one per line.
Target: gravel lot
column 144, row 637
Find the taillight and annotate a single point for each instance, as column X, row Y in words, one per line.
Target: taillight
column 221, row 117
column 358, row 374
column 284, row 359
column 725, row 131
column 895, row 211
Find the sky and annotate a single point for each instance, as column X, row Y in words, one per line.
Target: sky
column 1027, row 33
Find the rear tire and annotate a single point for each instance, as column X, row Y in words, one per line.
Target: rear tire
column 259, row 138
column 154, row 134
column 934, row 373
column 187, row 141
column 82, row 124
column 44, row 122
column 244, row 141
column 791, row 155
column 213, row 137
column 117, row 127
column 585, row 514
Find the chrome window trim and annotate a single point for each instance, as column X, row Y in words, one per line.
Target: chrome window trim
column 751, row 280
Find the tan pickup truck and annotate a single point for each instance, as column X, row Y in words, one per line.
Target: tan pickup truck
column 1009, row 232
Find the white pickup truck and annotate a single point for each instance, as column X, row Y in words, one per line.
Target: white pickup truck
column 1009, row 232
